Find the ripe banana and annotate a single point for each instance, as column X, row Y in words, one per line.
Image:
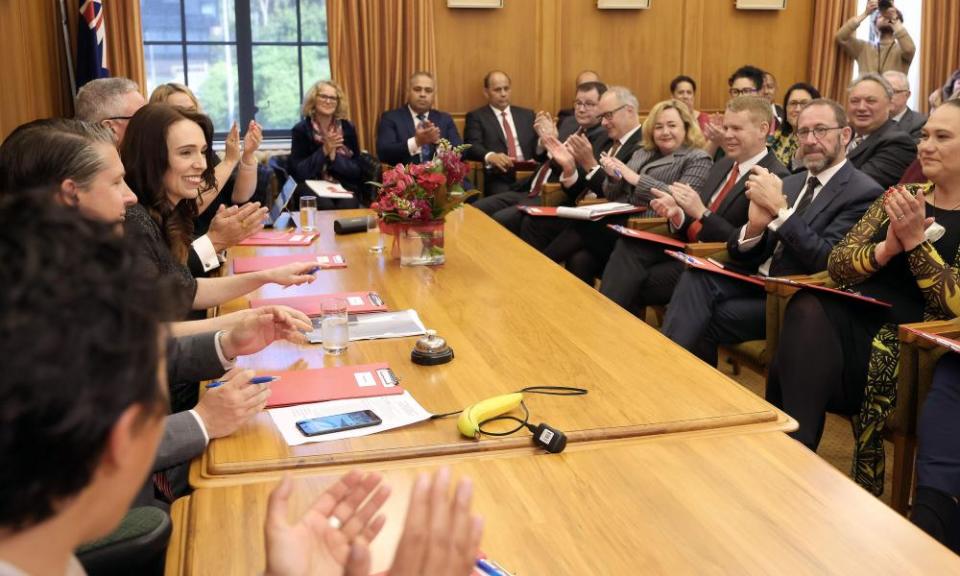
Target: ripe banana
column 473, row 415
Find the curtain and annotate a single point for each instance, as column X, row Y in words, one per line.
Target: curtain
column 830, row 69
column 124, row 37
column 374, row 47
column 939, row 46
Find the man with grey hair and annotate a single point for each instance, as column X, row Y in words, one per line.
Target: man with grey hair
column 909, row 121
column 879, row 148
column 110, row 102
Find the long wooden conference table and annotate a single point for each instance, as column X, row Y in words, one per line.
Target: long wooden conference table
column 514, row 319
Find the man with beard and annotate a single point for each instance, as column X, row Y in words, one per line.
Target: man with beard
column 895, row 50
column 792, row 226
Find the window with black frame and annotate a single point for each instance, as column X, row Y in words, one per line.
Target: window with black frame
column 242, row 58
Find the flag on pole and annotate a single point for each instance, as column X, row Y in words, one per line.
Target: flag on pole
column 91, row 43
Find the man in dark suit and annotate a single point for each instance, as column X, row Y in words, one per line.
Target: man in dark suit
column 582, row 78
column 638, row 273
column 409, row 135
column 582, row 176
column 499, row 135
column 880, row 149
column 909, row 121
column 502, row 207
column 792, row 226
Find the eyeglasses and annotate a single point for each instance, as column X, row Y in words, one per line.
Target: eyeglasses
column 584, row 105
column 734, row 92
column 901, row 91
column 327, row 98
column 819, row 132
column 608, row 115
column 119, row 118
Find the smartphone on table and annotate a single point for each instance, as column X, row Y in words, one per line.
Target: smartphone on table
column 338, row 423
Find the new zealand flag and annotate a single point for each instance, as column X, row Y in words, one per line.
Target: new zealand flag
column 91, row 43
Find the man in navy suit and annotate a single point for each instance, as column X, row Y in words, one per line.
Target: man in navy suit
column 792, row 226
column 409, row 134
column 879, row 148
column 499, row 135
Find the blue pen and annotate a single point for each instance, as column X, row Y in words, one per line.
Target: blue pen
column 490, row 567
column 254, row 380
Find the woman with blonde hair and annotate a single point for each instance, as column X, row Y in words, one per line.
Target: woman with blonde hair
column 324, row 145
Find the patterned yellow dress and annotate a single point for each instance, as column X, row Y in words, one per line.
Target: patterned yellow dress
column 783, row 146
column 923, row 284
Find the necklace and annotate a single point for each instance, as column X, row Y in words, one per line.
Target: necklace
column 955, row 206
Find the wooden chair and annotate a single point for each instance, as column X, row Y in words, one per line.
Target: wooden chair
column 918, row 357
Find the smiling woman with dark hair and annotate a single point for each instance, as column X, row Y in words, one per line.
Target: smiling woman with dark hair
column 167, row 155
column 783, row 142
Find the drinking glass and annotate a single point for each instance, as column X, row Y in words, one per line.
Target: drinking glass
column 334, row 327
column 308, row 213
column 373, row 233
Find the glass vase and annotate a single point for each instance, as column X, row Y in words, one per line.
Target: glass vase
column 421, row 244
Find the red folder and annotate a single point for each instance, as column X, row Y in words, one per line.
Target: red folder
column 357, row 302
column 279, row 238
column 257, row 263
column 948, row 343
column 844, row 293
column 644, row 235
column 701, row 264
column 335, row 383
column 551, row 211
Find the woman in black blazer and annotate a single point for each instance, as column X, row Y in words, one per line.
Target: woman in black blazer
column 324, row 145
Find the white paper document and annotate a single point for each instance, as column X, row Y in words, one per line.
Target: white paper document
column 593, row 211
column 325, row 189
column 395, row 411
column 376, row 325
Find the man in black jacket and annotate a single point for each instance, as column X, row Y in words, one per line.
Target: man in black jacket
column 879, row 148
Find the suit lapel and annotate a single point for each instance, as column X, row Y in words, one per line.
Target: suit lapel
column 408, row 124
column 718, row 173
column 494, row 122
column 629, row 147
column 668, row 159
column 828, row 193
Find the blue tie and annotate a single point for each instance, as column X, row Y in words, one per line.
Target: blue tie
column 426, row 151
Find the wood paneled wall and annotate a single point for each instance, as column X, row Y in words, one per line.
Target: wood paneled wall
column 543, row 44
column 35, row 84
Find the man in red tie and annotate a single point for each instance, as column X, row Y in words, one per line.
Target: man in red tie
column 499, row 135
column 638, row 273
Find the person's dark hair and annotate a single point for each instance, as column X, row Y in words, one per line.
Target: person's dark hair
column 785, row 128
column 884, row 5
column 486, row 78
column 752, row 73
column 600, row 87
column 144, row 155
column 79, row 344
column 44, row 153
column 682, row 78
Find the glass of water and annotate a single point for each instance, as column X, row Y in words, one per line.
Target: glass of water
column 373, row 233
column 334, row 328
column 308, row 213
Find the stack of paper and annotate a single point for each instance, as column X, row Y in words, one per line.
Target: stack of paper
column 325, row 189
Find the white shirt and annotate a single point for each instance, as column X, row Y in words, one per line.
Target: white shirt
column 568, row 182
column 209, row 257
column 742, row 168
column 227, row 365
column 412, row 147
column 513, row 130
column 899, row 116
column 785, row 213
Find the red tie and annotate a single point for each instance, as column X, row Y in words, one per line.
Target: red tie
column 511, row 143
column 693, row 231
column 538, row 181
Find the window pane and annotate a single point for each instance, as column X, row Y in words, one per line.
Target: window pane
column 213, row 77
column 210, row 20
column 276, row 86
column 163, row 64
column 273, row 21
column 316, row 65
column 161, row 20
column 313, row 20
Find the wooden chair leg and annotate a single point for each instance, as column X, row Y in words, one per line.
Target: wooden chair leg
column 904, row 454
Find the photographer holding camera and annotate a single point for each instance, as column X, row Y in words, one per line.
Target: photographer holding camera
column 895, row 49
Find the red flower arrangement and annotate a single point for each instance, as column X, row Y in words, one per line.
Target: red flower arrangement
column 423, row 192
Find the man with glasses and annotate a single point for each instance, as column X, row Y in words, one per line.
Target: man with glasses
column 745, row 81
column 410, row 134
column 895, row 49
column 909, row 121
column 792, row 225
column 879, row 147
column 566, row 114
column 584, row 122
column 499, row 135
column 582, row 175
column 110, row 102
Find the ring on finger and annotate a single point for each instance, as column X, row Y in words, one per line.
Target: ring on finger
column 334, row 522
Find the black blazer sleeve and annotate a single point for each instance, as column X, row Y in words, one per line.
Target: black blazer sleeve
column 306, row 156
column 473, row 135
column 391, row 141
column 891, row 157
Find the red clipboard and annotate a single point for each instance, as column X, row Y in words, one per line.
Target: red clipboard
column 551, row 212
column 357, row 302
column 257, row 263
column 844, row 293
column 280, row 238
column 334, row 383
column 649, row 236
column 948, row 343
column 706, row 265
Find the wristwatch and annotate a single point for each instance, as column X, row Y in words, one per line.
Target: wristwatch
column 706, row 212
